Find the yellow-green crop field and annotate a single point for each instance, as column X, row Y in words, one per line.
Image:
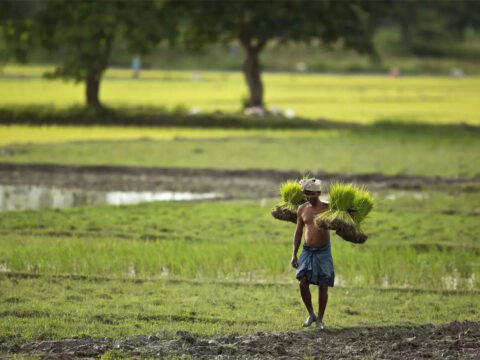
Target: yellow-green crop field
column 351, row 98
column 222, row 267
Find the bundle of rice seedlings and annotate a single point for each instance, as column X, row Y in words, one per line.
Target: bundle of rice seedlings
column 349, row 205
column 363, row 204
column 292, row 197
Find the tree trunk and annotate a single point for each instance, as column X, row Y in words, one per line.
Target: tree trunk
column 406, row 35
column 251, row 70
column 94, row 75
column 92, row 89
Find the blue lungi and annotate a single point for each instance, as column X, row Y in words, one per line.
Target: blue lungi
column 316, row 264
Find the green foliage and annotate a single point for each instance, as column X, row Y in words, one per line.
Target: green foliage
column 17, row 29
column 85, row 31
column 435, row 28
column 253, row 27
column 301, row 21
column 292, row 195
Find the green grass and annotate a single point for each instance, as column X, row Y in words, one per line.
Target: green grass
column 149, row 117
column 384, row 148
column 363, row 99
column 53, row 308
column 46, row 134
column 223, row 267
column 240, row 241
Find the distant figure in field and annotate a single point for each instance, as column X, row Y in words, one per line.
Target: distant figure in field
column 315, row 265
column 394, row 72
column 136, row 66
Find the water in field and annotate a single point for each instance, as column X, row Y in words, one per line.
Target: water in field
column 23, row 197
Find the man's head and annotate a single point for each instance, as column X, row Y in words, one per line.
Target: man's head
column 312, row 188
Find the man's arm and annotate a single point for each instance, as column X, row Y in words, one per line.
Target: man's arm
column 297, row 238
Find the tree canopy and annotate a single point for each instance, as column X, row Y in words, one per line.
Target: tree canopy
column 84, row 32
column 430, row 28
column 253, row 24
column 16, row 26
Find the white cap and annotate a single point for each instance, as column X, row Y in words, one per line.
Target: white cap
column 311, row 184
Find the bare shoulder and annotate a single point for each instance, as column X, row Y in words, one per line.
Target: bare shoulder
column 302, row 207
column 325, row 204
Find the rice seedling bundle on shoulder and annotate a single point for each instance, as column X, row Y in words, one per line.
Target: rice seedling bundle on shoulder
column 349, row 205
column 292, row 197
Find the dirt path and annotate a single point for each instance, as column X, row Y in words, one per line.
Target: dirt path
column 232, row 183
column 457, row 340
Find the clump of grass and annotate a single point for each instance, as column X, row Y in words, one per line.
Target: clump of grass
column 292, row 195
column 349, row 205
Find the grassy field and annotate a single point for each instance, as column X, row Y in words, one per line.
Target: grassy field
column 217, row 268
column 385, row 148
column 363, row 99
column 143, row 270
column 52, row 308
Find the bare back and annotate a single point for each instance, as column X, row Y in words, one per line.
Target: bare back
column 314, row 236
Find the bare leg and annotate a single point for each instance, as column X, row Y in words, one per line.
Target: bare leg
column 322, row 301
column 307, row 300
column 306, row 295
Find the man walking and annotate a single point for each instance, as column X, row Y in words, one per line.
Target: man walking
column 315, row 265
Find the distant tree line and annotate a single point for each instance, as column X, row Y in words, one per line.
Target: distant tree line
column 84, row 32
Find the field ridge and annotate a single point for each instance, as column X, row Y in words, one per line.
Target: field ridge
column 14, row 173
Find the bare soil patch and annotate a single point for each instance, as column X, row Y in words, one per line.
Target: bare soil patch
column 456, row 340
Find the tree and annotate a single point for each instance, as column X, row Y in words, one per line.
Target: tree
column 84, row 32
column 431, row 29
column 254, row 23
column 16, row 24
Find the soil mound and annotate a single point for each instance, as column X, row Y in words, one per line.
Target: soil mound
column 457, row 340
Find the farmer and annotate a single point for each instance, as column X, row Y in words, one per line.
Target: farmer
column 315, row 265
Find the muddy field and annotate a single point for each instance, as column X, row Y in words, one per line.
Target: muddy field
column 231, row 183
column 457, row 340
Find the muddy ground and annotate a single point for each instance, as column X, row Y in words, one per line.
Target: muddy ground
column 231, row 183
column 457, row 340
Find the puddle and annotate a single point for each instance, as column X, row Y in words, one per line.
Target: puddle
column 24, row 197
column 399, row 194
